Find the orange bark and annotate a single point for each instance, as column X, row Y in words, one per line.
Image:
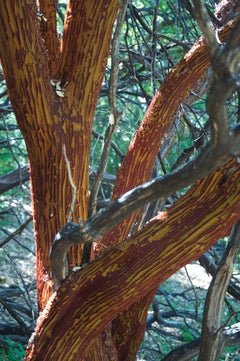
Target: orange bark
column 47, row 121
column 140, row 159
column 150, row 136
column 48, row 26
column 90, row 298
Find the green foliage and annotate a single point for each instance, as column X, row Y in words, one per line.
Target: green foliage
column 12, row 150
column 12, row 352
column 186, row 334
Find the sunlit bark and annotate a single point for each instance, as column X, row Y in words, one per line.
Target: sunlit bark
column 48, row 121
column 90, row 298
column 140, row 159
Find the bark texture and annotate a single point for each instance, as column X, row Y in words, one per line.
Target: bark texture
column 30, row 58
column 90, row 298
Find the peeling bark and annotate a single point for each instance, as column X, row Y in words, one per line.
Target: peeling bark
column 48, row 121
column 90, row 298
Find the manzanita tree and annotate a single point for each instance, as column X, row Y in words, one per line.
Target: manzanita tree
column 99, row 312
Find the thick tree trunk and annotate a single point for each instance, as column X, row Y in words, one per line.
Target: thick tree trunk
column 48, row 121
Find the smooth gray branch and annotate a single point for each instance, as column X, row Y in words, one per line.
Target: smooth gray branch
column 213, row 339
column 205, row 24
column 225, row 60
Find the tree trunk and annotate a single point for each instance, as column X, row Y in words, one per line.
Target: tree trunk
column 48, row 121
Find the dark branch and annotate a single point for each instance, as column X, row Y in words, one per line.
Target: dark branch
column 13, row 179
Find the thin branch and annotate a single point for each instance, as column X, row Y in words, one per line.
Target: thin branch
column 194, row 291
column 18, row 231
column 113, row 144
column 210, row 266
column 15, row 315
column 154, row 47
column 115, row 115
column 202, row 16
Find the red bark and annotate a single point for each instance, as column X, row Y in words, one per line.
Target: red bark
column 90, row 298
column 140, row 160
column 48, row 121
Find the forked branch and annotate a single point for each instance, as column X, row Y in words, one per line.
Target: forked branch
column 223, row 145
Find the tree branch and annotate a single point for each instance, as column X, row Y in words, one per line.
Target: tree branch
column 214, row 155
column 12, row 179
column 18, row 231
column 28, row 54
column 202, row 16
column 225, row 62
column 73, row 186
column 127, row 272
column 189, row 350
column 212, row 341
column 115, row 115
column 210, row 159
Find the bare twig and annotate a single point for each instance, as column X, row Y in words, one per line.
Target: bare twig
column 25, row 289
column 194, row 291
column 115, row 115
column 113, row 145
column 15, row 315
column 154, row 47
column 18, row 231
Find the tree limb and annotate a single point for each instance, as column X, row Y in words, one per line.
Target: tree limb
column 115, row 115
column 213, row 340
column 210, row 159
column 224, row 143
column 127, row 272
